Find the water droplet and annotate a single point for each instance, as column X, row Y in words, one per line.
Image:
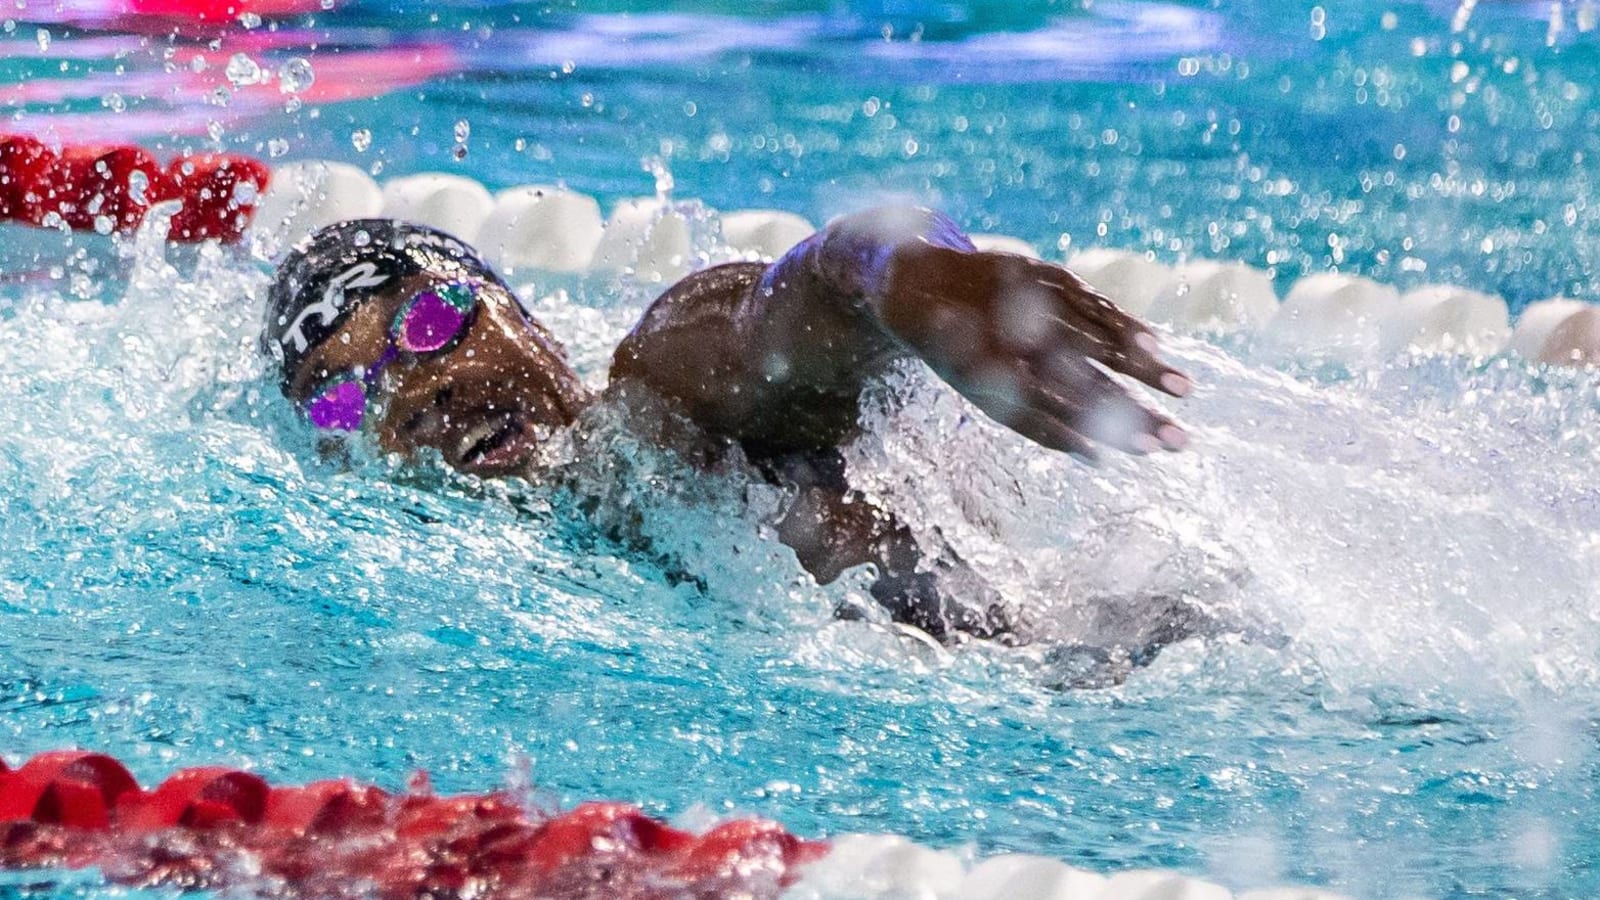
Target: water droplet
column 138, row 186
column 11, row 25
column 277, row 147
column 361, row 139
column 460, row 152
column 198, row 64
column 657, row 167
column 43, row 37
column 295, row 75
column 114, row 102
column 520, row 145
column 362, row 238
column 214, row 128
column 245, row 193
column 463, row 130
column 249, row 20
column 242, row 70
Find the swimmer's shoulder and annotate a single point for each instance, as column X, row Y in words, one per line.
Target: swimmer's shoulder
column 688, row 329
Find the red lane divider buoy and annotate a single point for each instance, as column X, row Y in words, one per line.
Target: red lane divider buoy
column 65, row 787
column 110, row 189
column 614, row 825
column 25, row 163
column 216, row 11
column 101, row 189
column 219, row 192
column 197, row 798
column 326, row 807
column 215, row 828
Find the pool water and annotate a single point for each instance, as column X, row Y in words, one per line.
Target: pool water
column 1410, row 554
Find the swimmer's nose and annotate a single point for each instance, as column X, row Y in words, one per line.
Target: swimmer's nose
column 418, row 413
column 424, row 428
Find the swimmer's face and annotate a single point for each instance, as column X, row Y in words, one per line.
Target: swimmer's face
column 484, row 401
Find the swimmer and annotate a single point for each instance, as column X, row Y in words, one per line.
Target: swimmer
column 403, row 333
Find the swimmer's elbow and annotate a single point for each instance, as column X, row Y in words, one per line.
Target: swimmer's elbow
column 853, row 254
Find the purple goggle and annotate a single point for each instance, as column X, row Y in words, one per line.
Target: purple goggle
column 432, row 322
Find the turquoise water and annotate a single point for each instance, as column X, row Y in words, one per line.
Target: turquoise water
column 1413, row 549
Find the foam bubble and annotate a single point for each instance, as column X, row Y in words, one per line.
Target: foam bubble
column 1575, row 341
column 1018, row 876
column 305, row 196
column 1445, row 318
column 1334, row 314
column 1004, row 243
column 880, row 865
column 541, row 227
column 647, row 238
column 1210, row 295
column 1145, row 884
column 1536, row 323
column 767, row 233
column 1131, row 279
column 453, row 204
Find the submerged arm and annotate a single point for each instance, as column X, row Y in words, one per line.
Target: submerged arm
column 832, row 528
column 919, row 581
column 778, row 356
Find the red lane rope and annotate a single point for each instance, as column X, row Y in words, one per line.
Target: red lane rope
column 110, row 188
column 215, row 11
column 213, row 828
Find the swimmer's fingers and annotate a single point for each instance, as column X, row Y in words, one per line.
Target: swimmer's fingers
column 1110, row 336
column 1048, row 431
column 1070, row 406
column 1084, row 398
column 1137, row 359
column 1030, row 344
column 1009, row 394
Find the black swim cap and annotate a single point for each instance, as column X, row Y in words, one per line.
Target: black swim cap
column 326, row 275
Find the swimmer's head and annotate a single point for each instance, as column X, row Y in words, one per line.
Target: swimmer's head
column 403, row 332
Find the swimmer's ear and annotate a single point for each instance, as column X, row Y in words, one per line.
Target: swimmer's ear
column 1032, row 345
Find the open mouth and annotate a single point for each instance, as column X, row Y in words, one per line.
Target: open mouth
column 495, row 443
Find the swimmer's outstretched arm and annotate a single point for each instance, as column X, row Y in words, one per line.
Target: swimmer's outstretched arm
column 778, row 356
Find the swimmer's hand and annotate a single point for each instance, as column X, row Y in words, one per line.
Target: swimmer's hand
column 1030, row 344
